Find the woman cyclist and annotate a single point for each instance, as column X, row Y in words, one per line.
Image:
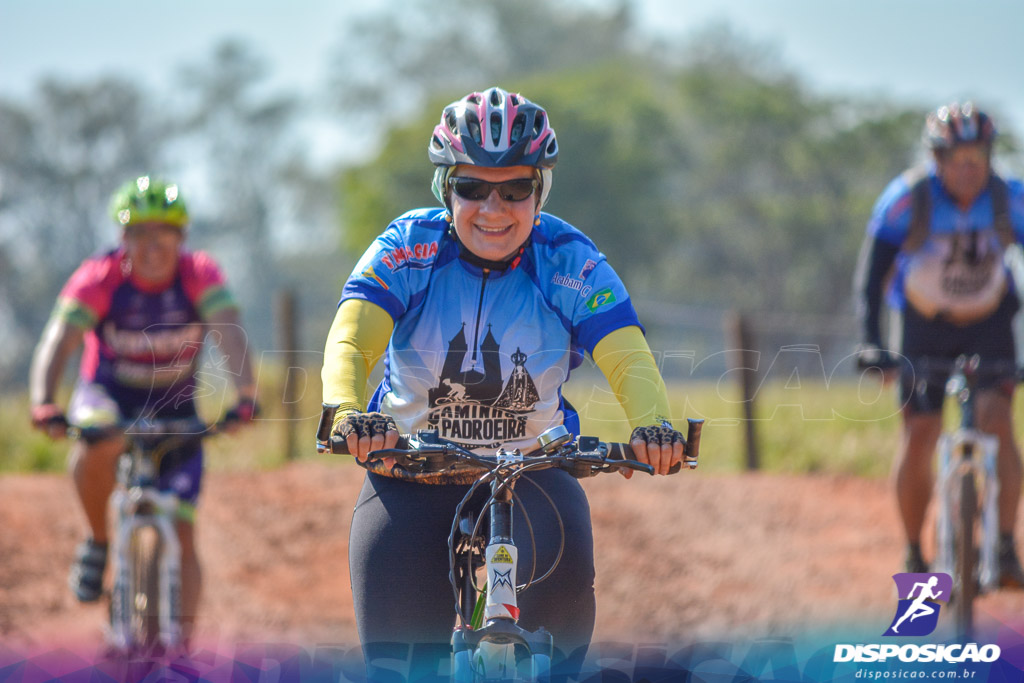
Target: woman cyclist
column 481, row 309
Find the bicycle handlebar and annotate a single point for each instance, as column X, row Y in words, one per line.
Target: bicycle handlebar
column 586, row 456
column 971, row 368
column 181, row 427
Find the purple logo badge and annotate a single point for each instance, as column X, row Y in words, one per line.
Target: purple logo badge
column 920, row 596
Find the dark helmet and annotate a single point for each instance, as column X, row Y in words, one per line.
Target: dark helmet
column 952, row 125
column 493, row 128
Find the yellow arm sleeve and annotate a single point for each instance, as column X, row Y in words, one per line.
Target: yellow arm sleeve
column 626, row 361
column 358, row 338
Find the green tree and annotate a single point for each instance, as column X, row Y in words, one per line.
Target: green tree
column 772, row 209
column 390, row 62
column 65, row 150
column 709, row 175
column 242, row 138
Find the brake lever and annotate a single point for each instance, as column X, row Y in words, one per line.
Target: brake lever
column 589, row 461
column 615, row 465
column 400, row 455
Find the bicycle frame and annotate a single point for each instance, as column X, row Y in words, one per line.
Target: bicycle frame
column 139, row 506
column 489, row 651
column 967, row 457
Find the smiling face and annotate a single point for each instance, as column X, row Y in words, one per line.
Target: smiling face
column 493, row 228
column 153, row 249
column 964, row 171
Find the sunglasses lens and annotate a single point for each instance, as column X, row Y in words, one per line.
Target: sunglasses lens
column 516, row 190
column 476, row 190
column 471, row 188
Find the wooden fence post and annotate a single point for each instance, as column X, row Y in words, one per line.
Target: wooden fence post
column 287, row 339
column 743, row 359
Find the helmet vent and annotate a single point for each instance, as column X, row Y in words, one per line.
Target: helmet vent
column 538, row 123
column 518, row 125
column 495, row 128
column 473, row 126
column 495, row 98
column 450, row 121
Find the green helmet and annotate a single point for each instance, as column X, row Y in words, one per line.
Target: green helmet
column 144, row 200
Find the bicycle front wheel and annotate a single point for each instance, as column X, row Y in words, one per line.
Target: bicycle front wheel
column 966, row 556
column 144, row 606
column 540, row 669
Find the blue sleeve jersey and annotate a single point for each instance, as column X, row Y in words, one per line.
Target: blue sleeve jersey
column 954, row 232
column 481, row 355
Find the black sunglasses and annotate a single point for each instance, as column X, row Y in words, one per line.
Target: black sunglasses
column 476, row 190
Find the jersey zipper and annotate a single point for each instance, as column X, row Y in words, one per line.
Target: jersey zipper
column 479, row 311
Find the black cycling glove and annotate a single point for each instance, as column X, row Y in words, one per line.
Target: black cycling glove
column 365, row 424
column 873, row 357
column 660, row 435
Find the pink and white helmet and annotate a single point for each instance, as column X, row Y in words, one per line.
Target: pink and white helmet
column 493, row 128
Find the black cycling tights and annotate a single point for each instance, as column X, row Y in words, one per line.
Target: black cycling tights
column 398, row 558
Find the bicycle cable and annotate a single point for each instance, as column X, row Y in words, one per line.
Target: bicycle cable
column 504, row 480
column 561, row 537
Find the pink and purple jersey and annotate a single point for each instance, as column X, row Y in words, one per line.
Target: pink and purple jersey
column 141, row 340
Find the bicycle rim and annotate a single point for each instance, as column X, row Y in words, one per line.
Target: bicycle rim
column 144, row 596
column 965, row 586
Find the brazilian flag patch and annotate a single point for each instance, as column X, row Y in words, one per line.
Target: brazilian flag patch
column 600, row 298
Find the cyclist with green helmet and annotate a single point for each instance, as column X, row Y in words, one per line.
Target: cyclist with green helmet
column 141, row 311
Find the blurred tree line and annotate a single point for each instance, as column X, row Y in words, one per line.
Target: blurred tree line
column 703, row 167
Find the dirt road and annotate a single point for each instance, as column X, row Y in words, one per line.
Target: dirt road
column 680, row 558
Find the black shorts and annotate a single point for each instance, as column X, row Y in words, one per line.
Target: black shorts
column 991, row 339
column 398, row 559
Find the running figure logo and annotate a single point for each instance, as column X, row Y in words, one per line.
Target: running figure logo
column 920, row 595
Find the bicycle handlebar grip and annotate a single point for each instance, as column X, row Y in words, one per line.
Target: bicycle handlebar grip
column 692, row 448
column 620, row 451
column 623, row 451
column 339, row 446
column 323, row 428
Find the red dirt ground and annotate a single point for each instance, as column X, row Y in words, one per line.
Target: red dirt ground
column 678, row 558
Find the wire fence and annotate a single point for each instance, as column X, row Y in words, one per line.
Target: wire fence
column 704, row 343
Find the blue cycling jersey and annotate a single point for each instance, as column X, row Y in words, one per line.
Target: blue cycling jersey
column 958, row 231
column 479, row 354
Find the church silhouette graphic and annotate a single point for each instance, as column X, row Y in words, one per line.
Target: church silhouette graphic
column 474, row 376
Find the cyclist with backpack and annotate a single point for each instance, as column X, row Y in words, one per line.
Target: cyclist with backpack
column 481, row 308
column 142, row 311
column 936, row 239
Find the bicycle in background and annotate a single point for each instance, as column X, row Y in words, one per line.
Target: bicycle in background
column 145, row 598
column 967, row 488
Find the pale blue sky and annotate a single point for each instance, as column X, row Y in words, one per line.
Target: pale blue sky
column 913, row 50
